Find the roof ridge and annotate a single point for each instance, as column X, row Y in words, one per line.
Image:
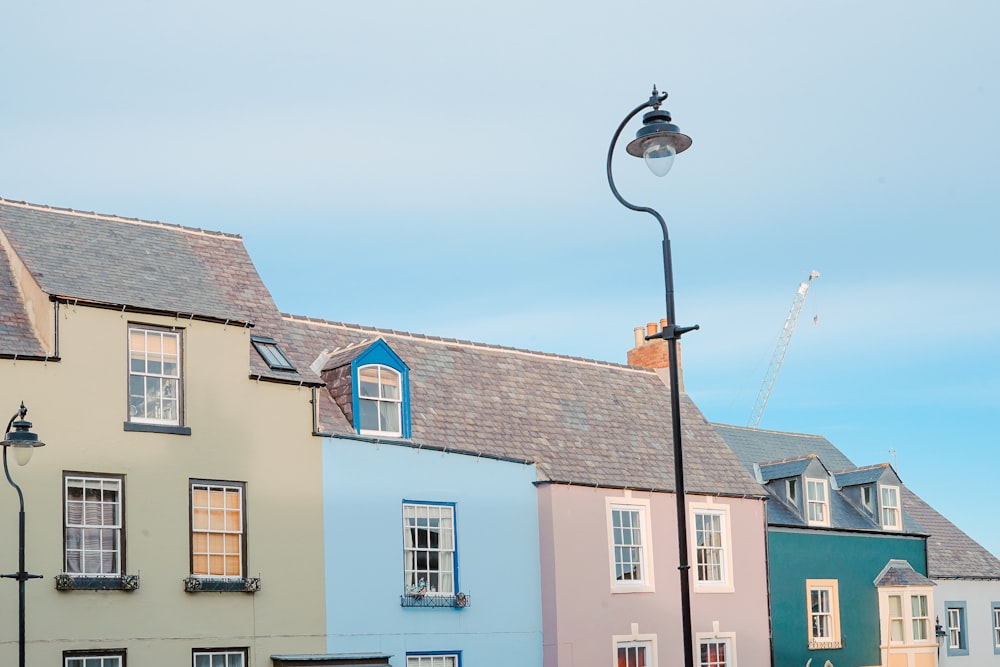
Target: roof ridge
column 765, row 430
column 118, row 218
column 860, row 468
column 464, row 343
column 797, row 458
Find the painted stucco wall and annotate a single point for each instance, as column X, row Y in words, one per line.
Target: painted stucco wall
column 980, row 598
column 252, row 432
column 583, row 615
column 855, row 561
column 496, row 519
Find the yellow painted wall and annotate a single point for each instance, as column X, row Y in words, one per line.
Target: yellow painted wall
column 242, row 430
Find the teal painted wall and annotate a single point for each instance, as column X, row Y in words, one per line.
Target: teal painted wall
column 854, row 561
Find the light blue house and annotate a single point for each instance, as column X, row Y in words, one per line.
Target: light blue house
column 431, row 544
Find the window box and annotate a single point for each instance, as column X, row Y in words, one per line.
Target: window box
column 211, row 585
column 457, row 601
column 72, row 582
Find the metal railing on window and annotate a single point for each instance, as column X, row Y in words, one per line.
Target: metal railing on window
column 76, row 582
column 458, row 600
column 211, row 585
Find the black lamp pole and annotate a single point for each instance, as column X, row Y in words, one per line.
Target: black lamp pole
column 22, row 439
column 658, row 141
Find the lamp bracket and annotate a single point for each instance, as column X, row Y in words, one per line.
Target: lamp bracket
column 672, row 332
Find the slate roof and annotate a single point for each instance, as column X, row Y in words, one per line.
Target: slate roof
column 580, row 421
column 783, row 469
column 17, row 336
column 865, row 475
column 140, row 265
column 900, row 573
column 951, row 554
column 748, row 443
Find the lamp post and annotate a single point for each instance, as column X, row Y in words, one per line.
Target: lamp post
column 658, row 141
column 23, row 441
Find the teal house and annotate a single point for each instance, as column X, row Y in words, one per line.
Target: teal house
column 847, row 563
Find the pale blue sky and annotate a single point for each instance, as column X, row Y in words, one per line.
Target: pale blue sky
column 439, row 167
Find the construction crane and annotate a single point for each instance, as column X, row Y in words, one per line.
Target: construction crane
column 779, row 351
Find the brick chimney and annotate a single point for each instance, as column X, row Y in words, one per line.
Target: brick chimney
column 653, row 354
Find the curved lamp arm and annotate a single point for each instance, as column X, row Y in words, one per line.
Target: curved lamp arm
column 654, row 101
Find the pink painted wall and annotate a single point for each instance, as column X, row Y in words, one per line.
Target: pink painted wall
column 580, row 612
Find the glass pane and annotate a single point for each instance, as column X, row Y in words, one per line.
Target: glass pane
column 201, row 660
column 389, row 417
column 200, row 518
column 368, row 382
column 390, row 384
column 368, row 418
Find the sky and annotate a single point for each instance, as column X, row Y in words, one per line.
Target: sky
column 439, row 167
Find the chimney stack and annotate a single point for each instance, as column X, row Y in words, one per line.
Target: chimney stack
column 654, row 354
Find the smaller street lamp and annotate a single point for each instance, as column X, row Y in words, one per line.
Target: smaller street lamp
column 23, row 442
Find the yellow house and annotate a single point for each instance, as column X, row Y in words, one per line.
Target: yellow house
column 175, row 513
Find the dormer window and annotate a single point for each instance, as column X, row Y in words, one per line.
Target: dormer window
column 817, row 502
column 380, row 400
column 866, row 497
column 891, row 516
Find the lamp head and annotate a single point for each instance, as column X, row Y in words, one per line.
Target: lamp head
column 658, row 141
column 20, row 438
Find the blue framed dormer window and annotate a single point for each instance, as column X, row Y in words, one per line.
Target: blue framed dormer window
column 382, row 393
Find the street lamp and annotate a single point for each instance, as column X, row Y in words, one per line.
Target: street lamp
column 23, row 442
column 658, row 141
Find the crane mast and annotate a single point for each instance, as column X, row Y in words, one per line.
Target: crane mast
column 779, row 350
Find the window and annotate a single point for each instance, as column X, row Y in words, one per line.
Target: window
column 891, row 516
column 634, row 654
column 958, row 643
column 896, row 618
column 432, row 660
column 94, row 658
column 918, row 606
column 429, row 556
column 714, row 653
column 996, row 627
column 93, row 526
column 711, row 553
column 824, row 613
column 269, row 351
column 219, row 658
column 866, row 497
column 629, row 541
column 217, row 530
column 817, row 506
column 379, row 400
column 792, row 491
column 154, row 381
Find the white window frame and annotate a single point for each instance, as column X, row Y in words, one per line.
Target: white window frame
column 792, row 491
column 433, row 660
column 908, row 621
column 635, row 639
column 224, row 653
column 866, row 497
column 890, row 512
column 636, row 508
column 384, row 403
column 107, row 532
column 956, row 627
column 107, row 658
column 830, row 590
column 420, row 516
column 716, row 637
column 821, row 505
column 161, row 388
column 996, row 627
column 231, row 533
column 719, row 512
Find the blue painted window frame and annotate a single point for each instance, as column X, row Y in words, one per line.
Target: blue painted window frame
column 995, row 625
column 963, row 626
column 457, row 654
column 454, row 530
column 380, row 354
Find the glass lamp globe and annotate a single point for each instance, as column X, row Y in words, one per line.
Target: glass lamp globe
column 659, row 157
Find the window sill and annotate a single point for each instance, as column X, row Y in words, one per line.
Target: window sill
column 211, row 585
column 157, row 428
column 74, row 582
column 457, row 601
